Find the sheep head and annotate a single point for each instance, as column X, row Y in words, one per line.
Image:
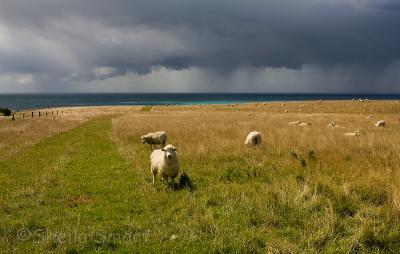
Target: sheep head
column 169, row 152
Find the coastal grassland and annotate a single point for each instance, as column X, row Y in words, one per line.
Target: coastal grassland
column 306, row 189
column 25, row 130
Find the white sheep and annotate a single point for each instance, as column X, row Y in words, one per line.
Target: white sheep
column 155, row 138
column 380, row 123
column 299, row 123
column 304, row 124
column 353, row 134
column 254, row 138
column 295, row 123
column 165, row 161
column 334, row 125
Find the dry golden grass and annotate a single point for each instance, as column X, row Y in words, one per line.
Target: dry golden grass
column 221, row 130
column 335, row 192
column 346, row 107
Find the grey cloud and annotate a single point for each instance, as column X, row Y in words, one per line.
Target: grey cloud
column 388, row 5
column 68, row 39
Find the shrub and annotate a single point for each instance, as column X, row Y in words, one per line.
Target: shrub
column 5, row 111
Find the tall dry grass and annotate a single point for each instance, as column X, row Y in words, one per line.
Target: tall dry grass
column 305, row 188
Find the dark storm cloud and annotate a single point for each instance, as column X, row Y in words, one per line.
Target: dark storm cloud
column 97, row 39
column 392, row 5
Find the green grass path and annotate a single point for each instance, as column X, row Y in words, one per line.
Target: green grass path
column 70, row 193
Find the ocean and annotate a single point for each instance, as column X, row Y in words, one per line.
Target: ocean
column 36, row 101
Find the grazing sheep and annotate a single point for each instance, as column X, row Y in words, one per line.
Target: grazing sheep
column 156, row 138
column 380, row 123
column 299, row 123
column 165, row 161
column 353, row 134
column 334, row 125
column 294, row 123
column 254, row 138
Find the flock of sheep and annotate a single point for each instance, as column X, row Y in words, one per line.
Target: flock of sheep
column 164, row 161
column 380, row 123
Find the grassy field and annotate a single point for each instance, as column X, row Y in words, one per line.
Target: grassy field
column 81, row 182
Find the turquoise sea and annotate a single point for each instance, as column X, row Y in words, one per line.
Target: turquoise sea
column 35, row 101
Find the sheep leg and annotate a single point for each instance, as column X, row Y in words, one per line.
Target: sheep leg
column 154, row 176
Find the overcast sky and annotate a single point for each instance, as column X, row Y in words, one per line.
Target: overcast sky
column 200, row 46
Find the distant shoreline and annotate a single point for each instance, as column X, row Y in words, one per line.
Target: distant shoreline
column 39, row 101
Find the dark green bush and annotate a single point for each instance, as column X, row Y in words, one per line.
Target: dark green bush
column 5, row 111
